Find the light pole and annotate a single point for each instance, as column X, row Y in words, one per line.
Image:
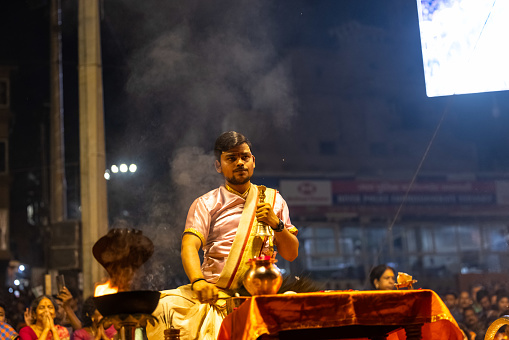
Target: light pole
column 94, row 211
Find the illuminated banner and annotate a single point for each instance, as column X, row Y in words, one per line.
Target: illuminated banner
column 307, row 192
column 422, row 193
column 319, row 198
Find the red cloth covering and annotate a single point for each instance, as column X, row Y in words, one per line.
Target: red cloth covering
column 270, row 314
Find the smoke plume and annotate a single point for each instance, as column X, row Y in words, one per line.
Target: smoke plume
column 197, row 69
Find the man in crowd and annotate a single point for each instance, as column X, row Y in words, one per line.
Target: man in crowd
column 451, row 301
column 476, row 304
column 223, row 223
column 471, row 320
column 483, row 297
column 464, row 300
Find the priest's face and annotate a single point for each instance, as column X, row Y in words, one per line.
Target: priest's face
column 237, row 165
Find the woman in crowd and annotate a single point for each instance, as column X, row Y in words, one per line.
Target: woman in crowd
column 382, row 277
column 6, row 330
column 500, row 309
column 2, row 312
column 93, row 328
column 43, row 312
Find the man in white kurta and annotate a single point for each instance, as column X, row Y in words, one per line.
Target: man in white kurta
column 214, row 218
column 223, row 223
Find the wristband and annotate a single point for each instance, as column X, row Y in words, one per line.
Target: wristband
column 280, row 227
column 200, row 279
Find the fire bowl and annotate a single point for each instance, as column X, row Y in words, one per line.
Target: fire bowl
column 131, row 302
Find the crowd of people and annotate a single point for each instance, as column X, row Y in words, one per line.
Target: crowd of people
column 477, row 309
column 474, row 310
column 64, row 316
column 60, row 317
column 224, row 224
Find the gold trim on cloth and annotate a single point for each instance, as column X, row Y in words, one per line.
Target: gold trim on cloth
column 195, row 232
column 435, row 318
column 293, row 230
column 243, row 247
column 233, row 191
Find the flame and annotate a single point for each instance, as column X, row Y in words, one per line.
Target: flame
column 105, row 289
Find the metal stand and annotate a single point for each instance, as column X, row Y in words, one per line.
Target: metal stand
column 127, row 325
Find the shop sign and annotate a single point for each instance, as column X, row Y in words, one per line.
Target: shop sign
column 307, row 192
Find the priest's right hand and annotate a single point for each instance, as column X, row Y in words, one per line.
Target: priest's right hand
column 205, row 292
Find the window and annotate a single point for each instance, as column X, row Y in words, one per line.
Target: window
column 425, row 249
column 469, row 238
column 425, row 238
column 320, row 246
column 445, row 239
column 377, row 240
column 495, row 238
column 322, row 241
column 350, row 241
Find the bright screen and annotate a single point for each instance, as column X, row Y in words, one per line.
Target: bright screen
column 465, row 45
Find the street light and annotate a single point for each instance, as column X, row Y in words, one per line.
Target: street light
column 123, row 168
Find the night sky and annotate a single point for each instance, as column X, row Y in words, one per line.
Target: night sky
column 178, row 73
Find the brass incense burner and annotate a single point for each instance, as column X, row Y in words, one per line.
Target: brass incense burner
column 121, row 252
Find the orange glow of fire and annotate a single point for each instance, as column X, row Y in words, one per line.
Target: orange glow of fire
column 105, row 289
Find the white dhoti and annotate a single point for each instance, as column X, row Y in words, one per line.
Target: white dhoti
column 196, row 321
column 203, row 321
